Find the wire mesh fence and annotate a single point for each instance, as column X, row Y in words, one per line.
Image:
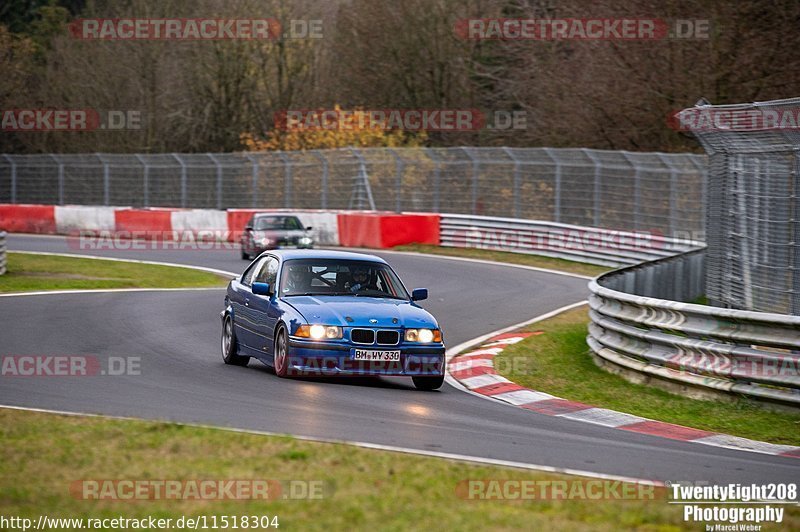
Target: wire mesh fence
column 655, row 192
column 753, row 222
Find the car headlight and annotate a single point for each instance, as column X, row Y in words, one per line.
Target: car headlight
column 319, row 332
column 266, row 241
column 424, row 336
column 304, row 240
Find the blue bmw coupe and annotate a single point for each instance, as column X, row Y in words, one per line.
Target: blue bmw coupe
column 316, row 312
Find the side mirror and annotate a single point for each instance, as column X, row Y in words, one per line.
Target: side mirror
column 261, row 289
column 309, row 228
column 418, row 294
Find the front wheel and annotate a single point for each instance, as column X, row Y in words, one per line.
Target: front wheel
column 428, row 383
column 281, row 353
column 229, row 346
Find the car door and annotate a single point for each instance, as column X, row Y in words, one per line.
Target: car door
column 241, row 299
column 265, row 308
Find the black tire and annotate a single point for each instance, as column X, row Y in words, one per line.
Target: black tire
column 245, row 255
column 428, row 383
column 280, row 350
column 230, row 346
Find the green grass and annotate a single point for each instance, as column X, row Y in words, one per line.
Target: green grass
column 558, row 362
column 46, row 272
column 537, row 261
column 43, row 454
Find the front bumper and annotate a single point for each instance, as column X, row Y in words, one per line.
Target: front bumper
column 321, row 358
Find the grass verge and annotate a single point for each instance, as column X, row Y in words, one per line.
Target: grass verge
column 537, row 261
column 44, row 454
column 558, row 362
column 46, row 272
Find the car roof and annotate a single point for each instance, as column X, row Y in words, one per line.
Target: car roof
column 274, row 215
column 288, row 254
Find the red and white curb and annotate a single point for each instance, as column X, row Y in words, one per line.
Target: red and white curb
column 474, row 370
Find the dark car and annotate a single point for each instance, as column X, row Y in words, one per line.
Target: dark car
column 274, row 231
column 331, row 313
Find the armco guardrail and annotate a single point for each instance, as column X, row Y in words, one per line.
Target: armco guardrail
column 740, row 352
column 2, row 253
column 591, row 245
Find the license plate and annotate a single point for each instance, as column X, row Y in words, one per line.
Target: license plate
column 376, row 356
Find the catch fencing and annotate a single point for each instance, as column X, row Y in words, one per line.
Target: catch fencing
column 642, row 322
column 657, row 193
column 753, row 230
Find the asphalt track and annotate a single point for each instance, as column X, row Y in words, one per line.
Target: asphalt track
column 176, row 335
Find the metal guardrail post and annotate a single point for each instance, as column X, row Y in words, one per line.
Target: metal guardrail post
column 324, row 178
column 183, row 178
column 437, row 176
column 516, row 186
column 637, row 185
column 3, row 260
column 13, row 164
column 557, row 185
column 145, row 181
column 57, row 159
column 253, row 180
column 475, row 168
column 399, row 168
column 106, row 179
column 596, row 188
column 219, row 179
column 287, row 179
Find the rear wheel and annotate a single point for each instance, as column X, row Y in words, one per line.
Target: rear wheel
column 428, row 383
column 245, row 254
column 229, row 345
column 281, row 353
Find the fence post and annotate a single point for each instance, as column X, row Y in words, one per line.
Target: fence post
column 673, row 191
column 557, row 187
column 399, row 168
column 2, row 252
column 219, row 179
column 598, row 176
column 324, row 161
column 254, row 180
column 637, row 203
column 60, row 178
column 106, row 180
column 13, row 177
column 183, row 178
column 475, row 167
column 508, row 151
column 145, row 181
column 287, row 180
column 437, row 175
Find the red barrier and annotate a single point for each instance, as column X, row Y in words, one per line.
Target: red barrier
column 28, row 218
column 379, row 230
column 237, row 219
column 139, row 220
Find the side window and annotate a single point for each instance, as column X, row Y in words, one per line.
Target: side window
column 247, row 278
column 267, row 271
column 271, row 273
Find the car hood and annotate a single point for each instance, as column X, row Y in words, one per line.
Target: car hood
column 334, row 310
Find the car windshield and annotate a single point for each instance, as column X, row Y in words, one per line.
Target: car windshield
column 286, row 223
column 340, row 277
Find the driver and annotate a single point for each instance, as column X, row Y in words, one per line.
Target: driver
column 298, row 279
column 361, row 280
